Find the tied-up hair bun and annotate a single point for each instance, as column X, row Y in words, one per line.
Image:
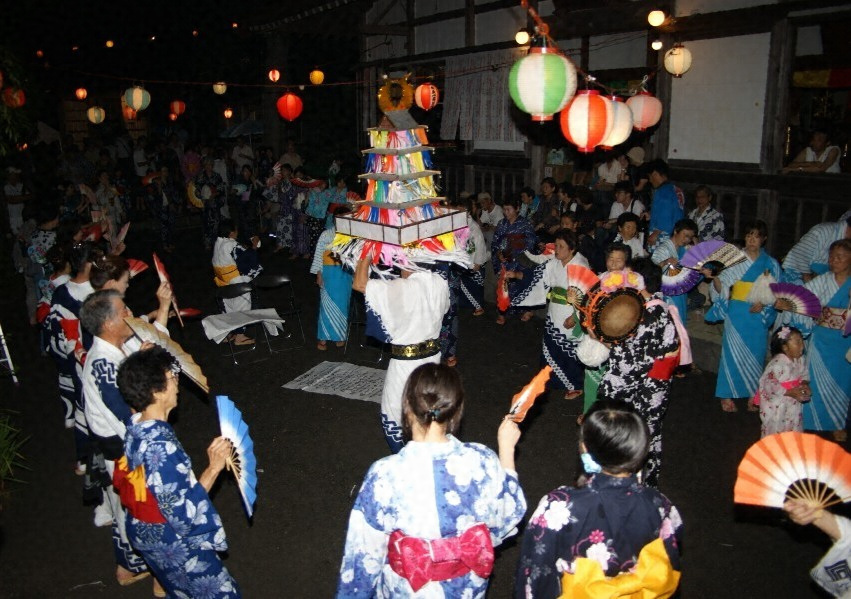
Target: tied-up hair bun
column 433, row 414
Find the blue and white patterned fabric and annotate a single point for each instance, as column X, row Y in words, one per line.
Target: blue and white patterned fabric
column 182, row 552
column 429, row 491
column 809, row 255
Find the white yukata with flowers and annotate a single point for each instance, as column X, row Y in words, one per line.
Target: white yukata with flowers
column 429, row 491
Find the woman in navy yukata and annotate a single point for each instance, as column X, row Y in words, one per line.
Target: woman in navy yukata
column 175, row 528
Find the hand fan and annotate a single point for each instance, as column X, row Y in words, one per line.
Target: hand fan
column 714, row 250
column 502, row 299
column 760, row 292
column 580, row 280
column 795, row 298
column 147, row 332
column 122, row 233
column 794, row 465
column 677, row 281
column 190, row 312
column 136, row 267
column 846, row 330
column 521, row 402
column 93, row 232
column 241, row 462
column 193, row 195
column 164, row 278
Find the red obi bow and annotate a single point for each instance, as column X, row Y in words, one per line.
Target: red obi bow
column 134, row 493
column 420, row 561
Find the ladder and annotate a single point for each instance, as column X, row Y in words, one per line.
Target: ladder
column 6, row 358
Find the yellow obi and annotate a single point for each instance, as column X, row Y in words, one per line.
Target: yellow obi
column 653, row 577
column 225, row 274
column 328, row 259
column 740, row 290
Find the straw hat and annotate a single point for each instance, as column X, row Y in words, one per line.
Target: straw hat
column 636, row 155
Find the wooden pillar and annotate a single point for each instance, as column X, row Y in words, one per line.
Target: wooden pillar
column 781, row 53
column 410, row 13
column 661, row 138
column 470, row 24
column 275, row 133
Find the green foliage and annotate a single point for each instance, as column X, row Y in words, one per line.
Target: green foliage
column 16, row 124
column 11, row 441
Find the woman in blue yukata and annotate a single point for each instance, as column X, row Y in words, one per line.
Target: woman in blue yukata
column 426, row 520
column 610, row 536
column 513, row 236
column 335, row 288
column 174, row 527
column 668, row 253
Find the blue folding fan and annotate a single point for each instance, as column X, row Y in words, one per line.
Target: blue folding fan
column 677, row 281
column 242, row 462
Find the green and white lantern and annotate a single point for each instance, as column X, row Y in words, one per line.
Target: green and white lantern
column 137, row 97
column 542, row 82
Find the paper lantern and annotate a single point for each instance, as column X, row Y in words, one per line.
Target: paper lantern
column 128, row 113
column 178, row 107
column 317, row 77
column 656, row 44
column 622, row 126
column 289, row 106
column 587, row 120
column 96, row 114
column 542, row 82
column 172, row 116
column 677, row 60
column 81, row 93
column 274, row 75
column 656, row 17
column 137, row 98
column 646, row 110
column 109, row 43
column 14, row 97
column 521, row 37
column 395, row 94
column 426, row 96
column 220, row 87
column 228, row 113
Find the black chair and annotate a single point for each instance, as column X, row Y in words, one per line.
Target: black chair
column 290, row 310
column 357, row 318
column 231, row 292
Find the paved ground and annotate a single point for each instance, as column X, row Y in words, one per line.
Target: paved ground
column 313, row 451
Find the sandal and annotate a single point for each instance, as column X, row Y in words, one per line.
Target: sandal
column 728, row 405
column 478, row 311
column 128, row 577
column 451, row 361
column 159, row 591
column 527, row 316
column 840, row 436
column 340, row 343
column 574, row 394
column 752, row 407
column 242, row 340
column 322, row 346
column 500, row 319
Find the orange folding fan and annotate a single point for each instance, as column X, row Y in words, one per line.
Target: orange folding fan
column 521, row 402
column 794, row 466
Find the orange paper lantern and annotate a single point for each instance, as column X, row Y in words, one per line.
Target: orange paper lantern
column 317, row 77
column 178, row 107
column 228, row 113
column 14, row 97
column 646, row 110
column 587, row 120
column 426, row 96
column 274, row 75
column 289, row 106
column 81, row 93
column 172, row 116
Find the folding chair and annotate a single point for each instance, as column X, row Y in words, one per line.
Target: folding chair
column 231, row 292
column 290, row 310
column 6, row 357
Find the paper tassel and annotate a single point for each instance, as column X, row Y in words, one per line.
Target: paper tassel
column 760, row 292
column 591, row 352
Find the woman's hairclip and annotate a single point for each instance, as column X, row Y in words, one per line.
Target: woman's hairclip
column 783, row 332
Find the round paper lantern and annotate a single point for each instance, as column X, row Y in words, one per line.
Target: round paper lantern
column 656, row 44
column 81, row 93
column 274, row 75
column 426, row 96
column 656, row 17
column 228, row 113
column 172, row 116
column 109, row 43
column 96, row 114
column 587, row 120
column 178, row 107
column 395, row 94
column 137, row 98
column 220, row 87
column 14, row 97
column 289, row 106
column 677, row 60
column 646, row 110
column 317, row 77
column 542, row 83
column 521, row 37
column 128, row 113
column 622, row 126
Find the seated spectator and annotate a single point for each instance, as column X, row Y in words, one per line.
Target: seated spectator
column 710, row 222
column 818, row 157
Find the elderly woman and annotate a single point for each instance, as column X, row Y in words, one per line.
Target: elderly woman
column 175, row 528
column 513, row 236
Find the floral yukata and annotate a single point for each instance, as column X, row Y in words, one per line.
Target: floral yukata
column 181, row 551
column 640, row 371
column 778, row 412
column 428, row 491
column 611, row 526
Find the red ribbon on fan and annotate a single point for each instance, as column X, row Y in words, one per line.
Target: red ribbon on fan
column 420, row 561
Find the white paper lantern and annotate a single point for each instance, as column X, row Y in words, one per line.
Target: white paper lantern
column 646, row 110
column 678, row 60
column 96, row 115
column 220, row 87
column 622, row 126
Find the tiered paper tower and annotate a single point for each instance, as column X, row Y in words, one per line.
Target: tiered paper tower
column 402, row 220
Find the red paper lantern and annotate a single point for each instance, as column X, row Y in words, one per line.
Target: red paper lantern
column 14, row 97
column 228, row 113
column 587, row 120
column 172, row 116
column 646, row 110
column 274, row 75
column 178, row 107
column 289, row 106
column 81, row 93
column 128, row 113
column 426, row 96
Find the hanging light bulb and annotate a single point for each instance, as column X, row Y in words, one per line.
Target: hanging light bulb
column 522, row 37
column 220, row 87
column 656, row 45
column 656, row 17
